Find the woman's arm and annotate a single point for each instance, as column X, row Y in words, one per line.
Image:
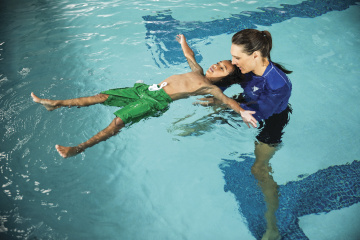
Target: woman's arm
column 246, row 115
column 189, row 54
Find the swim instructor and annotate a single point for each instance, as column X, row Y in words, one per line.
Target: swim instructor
column 267, row 90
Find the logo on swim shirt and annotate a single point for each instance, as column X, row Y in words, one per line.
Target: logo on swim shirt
column 254, row 89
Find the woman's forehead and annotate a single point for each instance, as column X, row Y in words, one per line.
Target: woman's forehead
column 236, row 49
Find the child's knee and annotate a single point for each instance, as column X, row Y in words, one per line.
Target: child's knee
column 119, row 122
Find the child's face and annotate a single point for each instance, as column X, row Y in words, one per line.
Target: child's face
column 220, row 70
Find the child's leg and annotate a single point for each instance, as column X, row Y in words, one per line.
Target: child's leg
column 80, row 102
column 109, row 131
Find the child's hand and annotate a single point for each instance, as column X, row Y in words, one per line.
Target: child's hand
column 181, row 38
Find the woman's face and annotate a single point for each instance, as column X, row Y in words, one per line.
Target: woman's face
column 246, row 63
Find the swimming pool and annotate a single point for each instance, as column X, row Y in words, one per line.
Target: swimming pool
column 186, row 174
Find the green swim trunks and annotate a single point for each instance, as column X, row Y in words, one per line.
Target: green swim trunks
column 137, row 102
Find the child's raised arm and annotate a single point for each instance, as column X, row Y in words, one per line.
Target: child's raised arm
column 189, row 54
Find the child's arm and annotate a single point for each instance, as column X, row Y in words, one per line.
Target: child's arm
column 231, row 103
column 189, row 54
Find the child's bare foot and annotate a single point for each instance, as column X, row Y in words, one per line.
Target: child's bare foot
column 47, row 103
column 271, row 234
column 66, row 152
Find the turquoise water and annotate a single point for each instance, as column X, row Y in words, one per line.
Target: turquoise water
column 168, row 177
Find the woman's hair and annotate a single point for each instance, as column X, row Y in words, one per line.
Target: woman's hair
column 254, row 40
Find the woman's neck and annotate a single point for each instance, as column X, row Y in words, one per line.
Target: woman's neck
column 261, row 67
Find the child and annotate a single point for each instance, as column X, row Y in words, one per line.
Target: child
column 143, row 100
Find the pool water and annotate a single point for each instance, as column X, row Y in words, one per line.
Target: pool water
column 185, row 174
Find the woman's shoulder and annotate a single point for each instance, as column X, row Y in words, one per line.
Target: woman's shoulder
column 275, row 78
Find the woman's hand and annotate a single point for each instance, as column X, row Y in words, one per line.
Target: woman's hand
column 248, row 118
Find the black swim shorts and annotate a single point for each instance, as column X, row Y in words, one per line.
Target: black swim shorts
column 272, row 129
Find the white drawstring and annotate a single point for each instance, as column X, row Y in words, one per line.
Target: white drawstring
column 155, row 87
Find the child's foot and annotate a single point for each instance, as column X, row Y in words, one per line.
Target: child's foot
column 66, row 152
column 47, row 103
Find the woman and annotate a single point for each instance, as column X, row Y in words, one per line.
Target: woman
column 267, row 90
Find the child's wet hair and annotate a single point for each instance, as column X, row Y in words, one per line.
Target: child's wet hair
column 234, row 76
